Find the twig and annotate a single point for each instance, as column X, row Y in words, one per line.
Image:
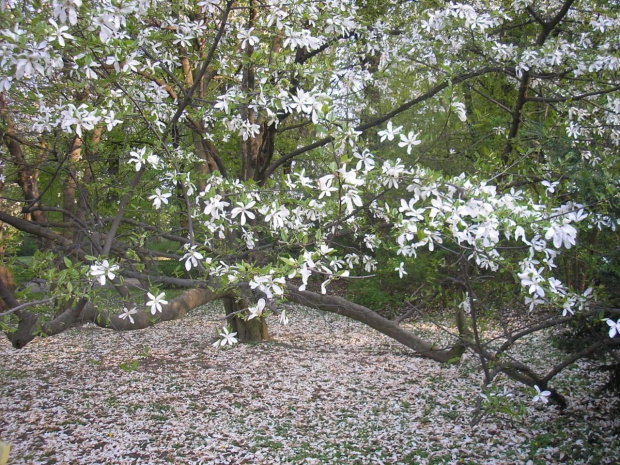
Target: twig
column 27, row 304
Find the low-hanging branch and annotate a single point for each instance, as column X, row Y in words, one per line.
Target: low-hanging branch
column 340, row 306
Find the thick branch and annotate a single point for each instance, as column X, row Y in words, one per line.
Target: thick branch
column 26, row 177
column 34, row 229
column 29, row 326
column 364, row 315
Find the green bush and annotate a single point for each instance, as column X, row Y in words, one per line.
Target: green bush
column 386, row 293
column 28, row 247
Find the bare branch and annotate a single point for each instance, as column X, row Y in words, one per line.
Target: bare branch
column 26, row 305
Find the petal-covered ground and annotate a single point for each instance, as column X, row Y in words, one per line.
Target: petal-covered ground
column 325, row 390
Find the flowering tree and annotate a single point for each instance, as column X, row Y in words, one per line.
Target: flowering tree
column 279, row 145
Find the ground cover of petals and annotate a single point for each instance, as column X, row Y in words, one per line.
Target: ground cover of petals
column 325, row 390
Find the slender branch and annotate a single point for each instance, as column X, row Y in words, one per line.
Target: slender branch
column 524, row 85
column 188, row 95
column 512, row 338
column 172, row 237
column 474, row 321
column 382, row 119
column 490, row 99
column 121, row 211
column 574, row 98
column 583, row 353
column 180, row 282
column 160, row 82
column 168, row 87
column 26, row 305
column 28, row 144
column 535, row 15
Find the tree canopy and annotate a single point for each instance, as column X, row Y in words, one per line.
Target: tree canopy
column 258, row 152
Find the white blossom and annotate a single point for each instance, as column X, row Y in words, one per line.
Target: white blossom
column 191, row 257
column 257, row 310
column 409, row 141
column 126, row 313
column 59, row 33
column 156, row 303
column 158, row 198
column 226, row 338
column 104, row 270
column 243, row 210
column 542, row 396
column 562, row 234
column 389, row 132
column 614, row 327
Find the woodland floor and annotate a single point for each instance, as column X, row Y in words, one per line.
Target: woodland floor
column 325, row 390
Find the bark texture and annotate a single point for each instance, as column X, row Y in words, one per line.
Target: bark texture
column 364, row 315
column 7, row 281
column 84, row 311
column 254, row 330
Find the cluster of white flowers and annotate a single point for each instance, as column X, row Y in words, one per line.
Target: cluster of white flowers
column 76, row 119
column 301, row 39
column 66, row 10
column 143, row 156
column 269, row 285
column 310, row 103
column 439, row 20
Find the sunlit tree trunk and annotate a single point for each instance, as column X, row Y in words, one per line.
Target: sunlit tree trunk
column 5, row 274
column 27, row 177
column 254, row 330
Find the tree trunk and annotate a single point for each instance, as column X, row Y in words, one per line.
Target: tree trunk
column 254, row 330
column 27, row 178
column 70, row 187
column 3, row 241
column 6, row 280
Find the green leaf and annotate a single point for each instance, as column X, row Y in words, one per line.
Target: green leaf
column 288, row 261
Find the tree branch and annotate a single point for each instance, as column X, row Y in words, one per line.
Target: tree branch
column 574, row 98
column 188, row 95
column 84, row 311
column 364, row 315
column 121, row 211
column 547, row 28
column 382, row 119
